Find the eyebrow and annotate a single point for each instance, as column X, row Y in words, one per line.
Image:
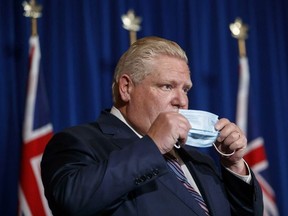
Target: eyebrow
column 173, row 82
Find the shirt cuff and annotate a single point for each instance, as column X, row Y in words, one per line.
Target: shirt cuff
column 245, row 178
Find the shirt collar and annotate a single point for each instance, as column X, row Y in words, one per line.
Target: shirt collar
column 114, row 111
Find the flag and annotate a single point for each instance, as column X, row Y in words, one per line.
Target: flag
column 37, row 130
column 255, row 154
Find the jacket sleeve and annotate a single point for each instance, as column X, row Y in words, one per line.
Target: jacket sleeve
column 90, row 174
column 245, row 199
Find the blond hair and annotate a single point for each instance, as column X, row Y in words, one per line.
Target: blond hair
column 135, row 61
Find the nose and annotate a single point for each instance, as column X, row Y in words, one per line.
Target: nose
column 180, row 99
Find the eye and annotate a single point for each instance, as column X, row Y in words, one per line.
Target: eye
column 186, row 90
column 167, row 87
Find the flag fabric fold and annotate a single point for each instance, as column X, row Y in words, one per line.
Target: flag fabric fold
column 37, row 130
column 255, row 154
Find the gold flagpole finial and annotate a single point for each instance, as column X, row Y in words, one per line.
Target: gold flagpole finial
column 32, row 10
column 239, row 31
column 131, row 23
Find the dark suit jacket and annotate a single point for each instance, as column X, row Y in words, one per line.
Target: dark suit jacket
column 103, row 168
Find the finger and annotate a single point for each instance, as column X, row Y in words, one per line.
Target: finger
column 221, row 124
column 232, row 137
column 234, row 142
column 239, row 143
column 182, row 131
column 227, row 130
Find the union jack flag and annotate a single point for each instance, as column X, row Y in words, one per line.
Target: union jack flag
column 37, row 130
column 255, row 155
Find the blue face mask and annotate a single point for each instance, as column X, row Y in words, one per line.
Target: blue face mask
column 203, row 133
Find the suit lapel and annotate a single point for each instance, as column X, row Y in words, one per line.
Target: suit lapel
column 209, row 185
column 171, row 182
column 121, row 135
column 203, row 182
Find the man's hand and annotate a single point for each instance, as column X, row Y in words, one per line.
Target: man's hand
column 168, row 129
column 230, row 139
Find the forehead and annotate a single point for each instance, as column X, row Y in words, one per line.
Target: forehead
column 167, row 67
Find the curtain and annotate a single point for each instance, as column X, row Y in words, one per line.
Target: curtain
column 81, row 42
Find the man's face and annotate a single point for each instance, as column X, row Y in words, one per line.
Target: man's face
column 165, row 89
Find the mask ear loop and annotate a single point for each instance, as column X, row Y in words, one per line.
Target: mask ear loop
column 177, row 145
column 223, row 154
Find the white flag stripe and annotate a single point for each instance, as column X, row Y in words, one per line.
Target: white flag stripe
column 260, row 166
column 254, row 144
column 32, row 87
column 32, row 135
column 35, row 163
column 265, row 184
column 23, row 205
column 271, row 208
column 243, row 92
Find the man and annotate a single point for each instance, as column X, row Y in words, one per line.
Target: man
column 118, row 165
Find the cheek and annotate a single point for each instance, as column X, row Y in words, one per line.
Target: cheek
column 187, row 103
column 150, row 101
column 149, row 105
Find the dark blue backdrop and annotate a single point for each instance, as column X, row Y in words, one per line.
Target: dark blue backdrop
column 81, row 42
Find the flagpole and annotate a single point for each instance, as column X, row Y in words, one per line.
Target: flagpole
column 33, row 11
column 239, row 31
column 131, row 23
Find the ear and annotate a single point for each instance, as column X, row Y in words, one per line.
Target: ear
column 125, row 87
